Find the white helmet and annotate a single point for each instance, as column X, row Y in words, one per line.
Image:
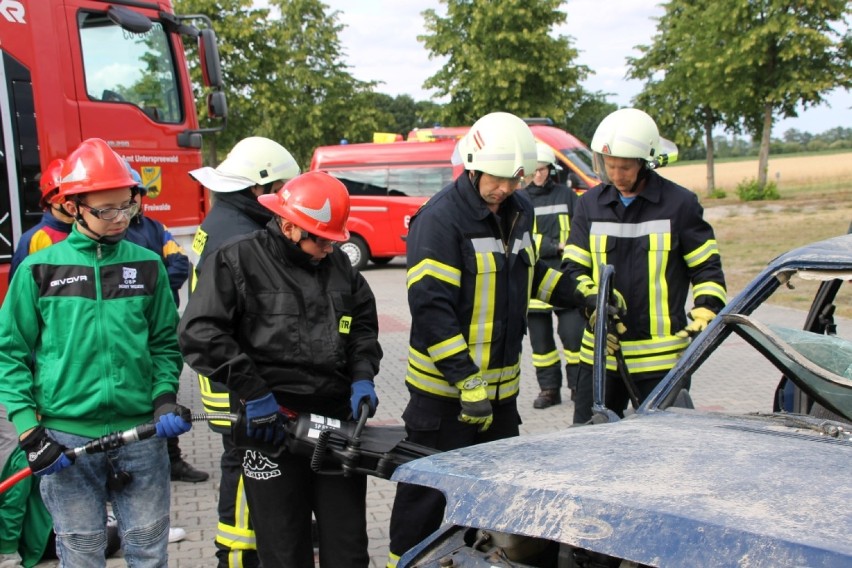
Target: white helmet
column 252, row 161
column 499, row 144
column 545, row 154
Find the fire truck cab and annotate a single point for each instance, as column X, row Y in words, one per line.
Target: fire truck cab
column 116, row 70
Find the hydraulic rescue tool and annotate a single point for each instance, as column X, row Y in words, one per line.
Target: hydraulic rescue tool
column 336, row 447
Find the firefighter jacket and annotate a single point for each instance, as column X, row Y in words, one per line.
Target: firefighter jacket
column 470, row 277
column 153, row 235
column 233, row 215
column 264, row 318
column 88, row 335
column 553, row 205
column 46, row 232
column 659, row 245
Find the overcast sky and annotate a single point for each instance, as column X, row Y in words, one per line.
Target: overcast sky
column 380, row 42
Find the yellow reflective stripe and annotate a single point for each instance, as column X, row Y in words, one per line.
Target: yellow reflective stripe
column 521, row 243
column 214, row 400
column 545, row 359
column 701, row 254
column 429, row 384
column 710, row 289
column 422, row 361
column 578, row 255
column 447, row 348
column 536, row 304
column 418, row 375
column 239, row 536
column 641, row 347
column 571, row 357
column 435, row 269
column 548, row 284
column 482, row 314
column 598, row 250
column 393, row 560
column 658, row 287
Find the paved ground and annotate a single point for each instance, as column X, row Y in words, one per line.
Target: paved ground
column 194, row 505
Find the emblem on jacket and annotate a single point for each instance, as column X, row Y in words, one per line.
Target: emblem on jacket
column 129, row 276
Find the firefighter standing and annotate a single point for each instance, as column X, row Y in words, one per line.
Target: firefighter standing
column 653, row 232
column 55, row 223
column 255, row 166
column 472, row 269
column 283, row 319
column 554, row 206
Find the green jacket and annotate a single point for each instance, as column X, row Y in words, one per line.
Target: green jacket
column 88, row 338
column 25, row 524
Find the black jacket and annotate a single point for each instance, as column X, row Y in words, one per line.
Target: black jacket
column 471, row 274
column 265, row 319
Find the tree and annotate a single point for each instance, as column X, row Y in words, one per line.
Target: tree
column 501, row 57
column 784, row 54
column 584, row 119
column 285, row 77
column 683, row 89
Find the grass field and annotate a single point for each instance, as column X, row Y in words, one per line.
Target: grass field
column 815, row 204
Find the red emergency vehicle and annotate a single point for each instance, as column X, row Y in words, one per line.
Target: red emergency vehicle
column 387, row 183
column 116, row 70
column 575, row 158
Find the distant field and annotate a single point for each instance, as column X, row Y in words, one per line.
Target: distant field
column 786, row 171
column 815, row 204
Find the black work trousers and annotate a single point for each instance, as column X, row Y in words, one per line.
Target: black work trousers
column 569, row 328
column 235, row 545
column 282, row 493
column 418, row 511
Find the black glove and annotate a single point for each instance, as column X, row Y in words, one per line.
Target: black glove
column 172, row 420
column 44, row 454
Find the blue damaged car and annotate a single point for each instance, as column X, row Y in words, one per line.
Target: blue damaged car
column 701, row 478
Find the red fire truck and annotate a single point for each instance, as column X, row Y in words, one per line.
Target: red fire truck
column 116, row 70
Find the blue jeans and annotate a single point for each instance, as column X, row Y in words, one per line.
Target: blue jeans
column 77, row 496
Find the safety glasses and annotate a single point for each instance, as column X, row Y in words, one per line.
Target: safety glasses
column 112, row 213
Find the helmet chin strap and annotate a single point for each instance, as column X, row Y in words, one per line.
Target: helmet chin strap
column 103, row 239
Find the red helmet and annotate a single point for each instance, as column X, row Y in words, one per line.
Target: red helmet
column 93, row 166
column 315, row 202
column 49, row 184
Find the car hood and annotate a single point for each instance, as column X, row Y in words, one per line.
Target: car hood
column 666, row 488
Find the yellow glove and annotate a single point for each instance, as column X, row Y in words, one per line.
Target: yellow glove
column 475, row 406
column 700, row 318
column 615, row 329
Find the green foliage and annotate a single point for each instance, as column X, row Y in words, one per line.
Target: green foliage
column 501, row 56
column 718, row 194
column 588, row 114
column 752, row 190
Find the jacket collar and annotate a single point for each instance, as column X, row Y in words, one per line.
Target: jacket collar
column 288, row 250
column 54, row 223
column 248, row 206
column 652, row 192
column 86, row 244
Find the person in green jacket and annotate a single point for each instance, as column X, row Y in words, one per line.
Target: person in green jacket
column 89, row 347
column 25, row 524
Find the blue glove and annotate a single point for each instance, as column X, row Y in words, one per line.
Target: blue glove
column 363, row 390
column 172, row 420
column 44, row 454
column 263, row 420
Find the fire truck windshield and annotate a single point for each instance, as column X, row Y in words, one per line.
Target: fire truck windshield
column 125, row 67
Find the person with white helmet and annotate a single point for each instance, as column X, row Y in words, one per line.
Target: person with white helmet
column 554, row 205
column 283, row 319
column 255, row 166
column 654, row 233
column 472, row 268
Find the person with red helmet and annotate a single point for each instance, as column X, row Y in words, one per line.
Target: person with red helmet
column 283, row 319
column 90, row 347
column 55, row 223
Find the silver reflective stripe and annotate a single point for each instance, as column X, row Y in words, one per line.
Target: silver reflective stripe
column 630, row 230
column 522, row 243
column 487, row 244
column 551, row 209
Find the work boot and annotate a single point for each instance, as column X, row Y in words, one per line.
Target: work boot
column 183, row 471
column 547, row 398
